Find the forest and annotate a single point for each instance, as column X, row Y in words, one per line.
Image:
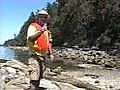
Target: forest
column 82, row 23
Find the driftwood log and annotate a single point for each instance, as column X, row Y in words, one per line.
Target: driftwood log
column 72, row 80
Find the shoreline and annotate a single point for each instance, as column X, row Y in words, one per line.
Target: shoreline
column 83, row 55
column 18, row 48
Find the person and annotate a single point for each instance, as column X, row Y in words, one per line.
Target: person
column 39, row 42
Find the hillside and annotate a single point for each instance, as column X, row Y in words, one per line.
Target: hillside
column 80, row 23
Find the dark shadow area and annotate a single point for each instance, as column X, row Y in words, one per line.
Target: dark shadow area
column 3, row 61
column 42, row 88
column 65, row 64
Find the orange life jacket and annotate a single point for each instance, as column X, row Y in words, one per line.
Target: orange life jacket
column 42, row 43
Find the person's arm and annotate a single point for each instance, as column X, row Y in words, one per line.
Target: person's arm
column 50, row 47
column 34, row 37
column 33, row 34
column 51, row 53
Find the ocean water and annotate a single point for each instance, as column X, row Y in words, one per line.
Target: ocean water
column 8, row 54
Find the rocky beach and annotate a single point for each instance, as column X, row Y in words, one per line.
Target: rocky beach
column 72, row 69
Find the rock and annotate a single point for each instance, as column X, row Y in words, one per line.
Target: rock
column 54, row 85
column 16, row 64
column 13, row 77
column 11, row 70
column 110, row 63
column 58, row 70
column 118, row 63
column 67, row 86
column 78, row 82
column 13, row 73
column 19, row 48
column 87, row 55
column 75, row 47
column 2, row 82
column 49, row 85
column 12, row 87
column 89, row 66
column 21, row 81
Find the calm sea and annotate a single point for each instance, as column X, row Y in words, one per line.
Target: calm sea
column 7, row 54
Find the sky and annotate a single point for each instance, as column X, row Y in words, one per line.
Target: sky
column 13, row 14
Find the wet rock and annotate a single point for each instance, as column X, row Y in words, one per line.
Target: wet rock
column 88, row 55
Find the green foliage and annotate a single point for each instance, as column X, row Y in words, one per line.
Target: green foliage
column 56, row 32
column 89, row 22
column 81, row 22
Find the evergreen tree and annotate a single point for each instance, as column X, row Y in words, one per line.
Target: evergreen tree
column 81, row 22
